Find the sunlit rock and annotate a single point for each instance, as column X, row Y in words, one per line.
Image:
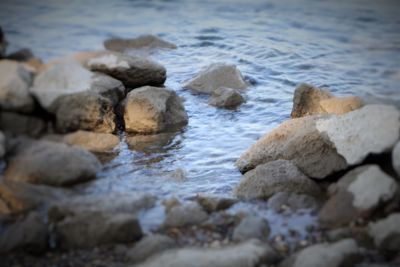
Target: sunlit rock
column 20, row 124
column 94, row 142
column 140, row 42
column 386, row 233
column 226, row 98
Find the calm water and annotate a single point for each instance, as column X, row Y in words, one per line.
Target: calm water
column 352, row 47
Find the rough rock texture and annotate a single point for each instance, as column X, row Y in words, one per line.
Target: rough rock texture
column 359, row 192
column 15, row 80
column 94, row 142
column 2, row 145
column 396, row 158
column 50, row 163
column 215, row 76
column 386, row 233
column 152, row 110
column 84, row 111
column 186, row 214
column 286, row 200
column 251, row 227
column 273, row 177
column 212, row 203
column 140, row 42
column 226, row 98
column 19, row 124
column 132, row 71
column 247, row 254
column 310, row 100
column 149, row 246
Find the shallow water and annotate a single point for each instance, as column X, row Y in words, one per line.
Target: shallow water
column 352, row 47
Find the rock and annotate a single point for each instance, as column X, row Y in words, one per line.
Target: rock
column 184, row 215
column 45, row 163
column 19, row 124
column 152, row 110
column 310, row 100
column 321, row 145
column 273, row 177
column 386, row 233
column 2, row 145
column 87, row 111
column 226, row 98
column 94, row 142
column 293, row 201
column 141, row 42
column 147, row 143
column 359, row 234
column 251, row 227
column 342, row 253
column 132, row 71
column 3, row 44
column 149, row 246
column 14, row 83
column 21, row 55
column 396, row 158
column 213, row 203
column 29, row 234
column 248, row 254
column 360, row 192
column 215, row 76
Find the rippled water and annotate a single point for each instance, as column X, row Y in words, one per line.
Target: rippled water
column 352, row 47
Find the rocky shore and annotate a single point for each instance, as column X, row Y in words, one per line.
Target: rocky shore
column 336, row 158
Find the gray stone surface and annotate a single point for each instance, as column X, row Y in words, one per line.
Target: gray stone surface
column 149, row 246
column 186, row 214
column 251, row 227
column 226, row 98
column 21, row 124
column 386, row 233
column 140, row 42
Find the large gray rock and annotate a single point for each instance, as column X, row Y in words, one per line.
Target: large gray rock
column 273, row 177
column 184, row 215
column 386, row 233
column 140, row 42
column 322, row 145
column 215, row 76
column 247, row 254
column 310, row 100
column 226, row 98
column 132, row 71
column 2, row 145
column 152, row 110
column 94, row 142
column 51, row 163
column 149, row 246
column 251, row 227
column 361, row 191
column 20, row 124
column 396, row 158
column 15, row 80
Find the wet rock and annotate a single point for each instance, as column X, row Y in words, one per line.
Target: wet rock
column 2, row 145
column 21, row 55
column 396, row 158
column 132, row 71
column 293, row 201
column 3, row 44
column 20, row 124
column 94, row 142
column 149, row 246
column 15, row 80
column 310, row 100
column 248, row 254
column 149, row 143
column 140, row 42
column 386, row 233
column 251, row 227
column 29, row 234
column 359, row 192
column 215, row 76
column 44, row 162
column 226, row 98
column 273, row 177
column 184, row 215
column 213, row 203
column 152, row 110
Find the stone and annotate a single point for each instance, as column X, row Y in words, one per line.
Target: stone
column 15, row 80
column 293, row 201
column 251, row 227
column 132, row 71
column 148, row 246
column 3, row 44
column 44, row 162
column 212, row 203
column 21, row 55
column 248, row 254
column 396, row 158
column 153, row 110
column 215, row 76
column 148, row 143
column 140, row 42
column 21, row 124
column 226, row 98
column 94, row 142
column 273, row 177
column 2, row 145
column 386, row 233
column 184, row 215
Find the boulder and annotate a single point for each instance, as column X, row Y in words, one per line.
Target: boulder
column 323, row 144
column 396, row 158
column 2, row 145
column 51, row 163
column 94, row 142
column 215, row 76
column 184, row 215
column 360, row 192
column 273, row 177
column 212, row 203
column 286, row 200
column 386, row 233
column 310, row 100
column 224, row 97
column 248, row 254
column 149, row 246
column 152, row 110
column 140, row 42
column 251, row 227
column 3, row 44
column 20, row 124
column 15, row 80
column 132, row 71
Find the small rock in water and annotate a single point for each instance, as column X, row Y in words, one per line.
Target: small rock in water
column 212, row 203
column 226, row 98
column 178, row 175
column 184, row 215
column 386, row 233
column 140, row 42
column 251, row 227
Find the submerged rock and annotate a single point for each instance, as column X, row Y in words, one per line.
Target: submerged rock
column 226, row 98
column 140, row 42
column 386, row 233
column 20, row 124
column 149, row 143
column 215, row 76
column 293, row 201
column 251, row 227
column 94, row 142
column 212, row 203
column 184, row 215
column 149, row 246
column 396, row 158
column 153, row 110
